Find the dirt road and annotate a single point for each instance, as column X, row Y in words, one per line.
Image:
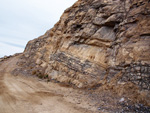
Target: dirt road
column 21, row 94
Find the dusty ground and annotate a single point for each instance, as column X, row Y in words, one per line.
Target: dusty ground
column 21, row 94
column 29, row 94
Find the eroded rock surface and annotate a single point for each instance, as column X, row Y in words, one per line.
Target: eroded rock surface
column 93, row 41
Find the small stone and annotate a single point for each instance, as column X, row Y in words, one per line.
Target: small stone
column 44, row 64
column 131, row 74
column 144, row 86
column 142, row 69
column 135, row 82
column 145, row 75
column 143, row 63
column 131, row 65
column 26, row 55
column 132, row 69
column 137, row 106
column 38, row 61
column 138, row 63
column 99, row 108
column 138, row 74
column 137, row 68
column 98, row 20
column 146, row 69
column 128, row 70
column 121, row 100
column 139, row 77
column 128, row 61
column 80, row 85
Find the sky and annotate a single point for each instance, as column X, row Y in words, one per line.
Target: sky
column 24, row 20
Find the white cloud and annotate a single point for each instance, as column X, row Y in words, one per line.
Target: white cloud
column 23, row 20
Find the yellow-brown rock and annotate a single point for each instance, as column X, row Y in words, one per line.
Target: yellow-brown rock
column 92, row 42
column 93, row 37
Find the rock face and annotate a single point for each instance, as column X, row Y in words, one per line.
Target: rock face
column 93, row 41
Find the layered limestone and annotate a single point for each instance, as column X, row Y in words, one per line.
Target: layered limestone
column 93, row 41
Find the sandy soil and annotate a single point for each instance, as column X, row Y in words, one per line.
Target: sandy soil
column 21, row 94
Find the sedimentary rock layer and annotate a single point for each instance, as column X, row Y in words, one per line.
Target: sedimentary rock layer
column 92, row 42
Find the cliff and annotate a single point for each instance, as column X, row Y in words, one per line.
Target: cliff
column 102, row 44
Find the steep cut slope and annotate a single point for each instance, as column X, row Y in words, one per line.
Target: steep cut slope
column 96, row 43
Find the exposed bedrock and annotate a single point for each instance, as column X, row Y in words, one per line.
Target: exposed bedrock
column 93, row 41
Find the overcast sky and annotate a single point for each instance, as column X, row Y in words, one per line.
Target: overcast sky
column 24, row 20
